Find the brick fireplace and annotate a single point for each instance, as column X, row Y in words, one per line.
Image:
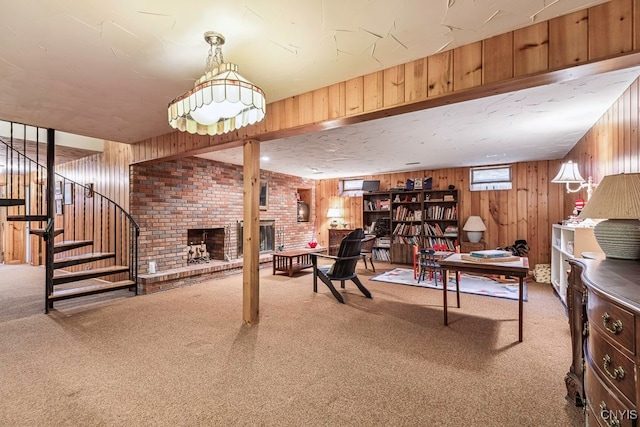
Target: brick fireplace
column 176, row 202
column 213, row 239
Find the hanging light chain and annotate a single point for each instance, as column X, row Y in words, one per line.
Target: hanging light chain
column 214, row 59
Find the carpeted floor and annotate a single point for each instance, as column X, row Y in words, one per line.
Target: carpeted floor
column 469, row 284
column 184, row 358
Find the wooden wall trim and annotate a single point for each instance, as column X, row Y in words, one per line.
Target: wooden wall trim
column 539, row 54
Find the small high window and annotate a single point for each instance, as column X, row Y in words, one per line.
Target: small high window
column 490, row 178
column 350, row 187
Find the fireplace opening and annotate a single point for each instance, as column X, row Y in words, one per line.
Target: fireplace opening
column 213, row 239
column 267, row 236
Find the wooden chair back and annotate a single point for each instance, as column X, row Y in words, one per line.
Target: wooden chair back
column 350, row 248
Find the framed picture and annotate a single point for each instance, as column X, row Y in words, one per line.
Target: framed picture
column 264, row 195
column 68, row 193
column 58, row 190
column 58, row 206
column 88, row 190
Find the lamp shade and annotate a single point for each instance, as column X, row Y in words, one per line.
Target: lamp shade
column 568, row 174
column 221, row 100
column 474, row 223
column 333, row 213
column 617, row 200
column 474, row 228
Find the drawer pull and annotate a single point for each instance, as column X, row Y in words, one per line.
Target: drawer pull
column 608, row 416
column 618, row 373
column 617, row 325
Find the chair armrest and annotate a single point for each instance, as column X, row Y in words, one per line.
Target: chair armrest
column 314, row 255
column 337, row 258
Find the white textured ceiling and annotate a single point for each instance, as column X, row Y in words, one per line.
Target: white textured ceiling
column 541, row 123
column 108, row 69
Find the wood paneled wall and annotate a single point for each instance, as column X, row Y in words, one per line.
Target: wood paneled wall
column 527, row 57
column 108, row 171
column 524, row 212
column 528, row 210
column 611, row 146
column 92, row 218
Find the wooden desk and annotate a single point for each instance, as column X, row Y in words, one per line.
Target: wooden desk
column 335, row 238
column 454, row 262
column 295, row 260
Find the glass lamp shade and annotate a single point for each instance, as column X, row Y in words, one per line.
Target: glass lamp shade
column 221, row 101
column 617, row 201
column 569, row 174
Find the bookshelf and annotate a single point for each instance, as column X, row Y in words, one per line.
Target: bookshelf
column 440, row 225
column 406, row 225
column 402, row 219
column 568, row 242
column 376, row 217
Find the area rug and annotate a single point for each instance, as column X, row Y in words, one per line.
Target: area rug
column 469, row 284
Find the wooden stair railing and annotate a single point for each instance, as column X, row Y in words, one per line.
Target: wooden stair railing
column 92, row 237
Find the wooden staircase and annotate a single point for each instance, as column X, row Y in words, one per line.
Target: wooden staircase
column 91, row 247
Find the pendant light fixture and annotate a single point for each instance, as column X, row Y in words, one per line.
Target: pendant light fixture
column 221, row 100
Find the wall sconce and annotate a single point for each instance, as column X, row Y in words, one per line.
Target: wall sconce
column 334, row 214
column 474, row 228
column 569, row 174
column 617, row 200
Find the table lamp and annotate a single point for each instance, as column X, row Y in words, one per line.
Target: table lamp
column 334, row 214
column 617, row 201
column 474, row 228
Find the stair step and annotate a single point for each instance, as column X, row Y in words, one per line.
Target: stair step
column 70, row 244
column 59, row 279
column 82, row 259
column 40, row 231
column 11, row 202
column 26, row 218
column 61, row 294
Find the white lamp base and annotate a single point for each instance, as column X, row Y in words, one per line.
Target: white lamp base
column 474, row 236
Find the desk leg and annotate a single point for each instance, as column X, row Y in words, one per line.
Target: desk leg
column 444, row 296
column 314, row 262
column 520, row 281
column 274, row 263
column 457, row 273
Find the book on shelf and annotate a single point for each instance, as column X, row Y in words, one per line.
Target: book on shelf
column 491, row 253
column 451, row 231
column 384, row 241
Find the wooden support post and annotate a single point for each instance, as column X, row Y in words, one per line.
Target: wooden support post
column 251, row 232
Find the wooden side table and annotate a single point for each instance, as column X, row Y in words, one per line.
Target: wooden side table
column 295, row 260
column 466, row 247
column 335, row 237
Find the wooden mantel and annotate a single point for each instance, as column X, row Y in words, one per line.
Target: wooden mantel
column 594, row 40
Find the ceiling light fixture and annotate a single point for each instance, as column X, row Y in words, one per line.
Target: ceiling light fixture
column 221, row 100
